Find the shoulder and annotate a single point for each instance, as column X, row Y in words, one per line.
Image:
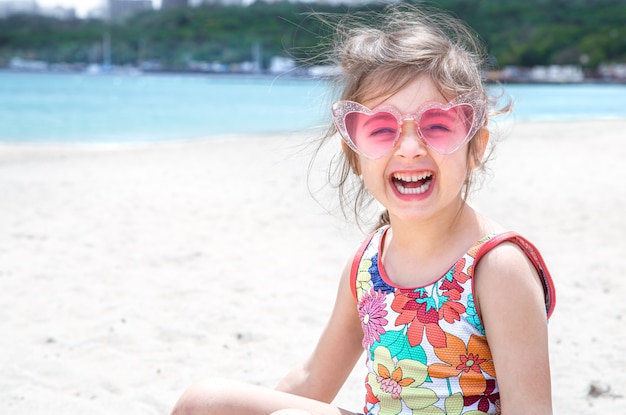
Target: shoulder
column 506, row 275
column 509, row 258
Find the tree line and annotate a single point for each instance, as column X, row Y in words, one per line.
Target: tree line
column 518, row 32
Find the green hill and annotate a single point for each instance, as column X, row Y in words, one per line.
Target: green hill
column 518, row 32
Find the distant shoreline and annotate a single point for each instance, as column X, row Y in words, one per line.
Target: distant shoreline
column 131, row 71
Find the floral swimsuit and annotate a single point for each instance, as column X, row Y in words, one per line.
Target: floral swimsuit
column 426, row 349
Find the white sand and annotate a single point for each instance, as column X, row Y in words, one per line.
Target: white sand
column 127, row 273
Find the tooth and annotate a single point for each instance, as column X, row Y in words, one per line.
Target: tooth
column 411, row 178
column 423, row 188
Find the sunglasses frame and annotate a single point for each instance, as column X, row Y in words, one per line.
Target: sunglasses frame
column 475, row 100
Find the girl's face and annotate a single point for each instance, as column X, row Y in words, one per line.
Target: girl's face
column 412, row 181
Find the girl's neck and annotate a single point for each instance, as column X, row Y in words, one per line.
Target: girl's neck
column 424, row 234
column 415, row 253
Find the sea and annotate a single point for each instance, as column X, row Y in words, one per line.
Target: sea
column 119, row 108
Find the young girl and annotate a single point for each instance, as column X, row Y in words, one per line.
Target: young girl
column 450, row 308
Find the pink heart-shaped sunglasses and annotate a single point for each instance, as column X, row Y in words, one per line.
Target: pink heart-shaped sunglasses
column 442, row 127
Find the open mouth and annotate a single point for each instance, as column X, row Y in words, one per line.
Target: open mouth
column 412, row 184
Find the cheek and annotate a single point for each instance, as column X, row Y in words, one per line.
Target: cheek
column 455, row 168
column 370, row 174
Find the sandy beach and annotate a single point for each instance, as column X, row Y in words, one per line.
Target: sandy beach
column 128, row 272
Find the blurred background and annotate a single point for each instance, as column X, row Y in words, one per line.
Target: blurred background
column 559, row 59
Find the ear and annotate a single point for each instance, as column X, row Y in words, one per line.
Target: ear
column 481, row 140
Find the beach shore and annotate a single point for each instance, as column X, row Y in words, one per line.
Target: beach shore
column 128, row 272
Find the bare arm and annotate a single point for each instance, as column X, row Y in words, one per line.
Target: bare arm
column 321, row 376
column 511, row 300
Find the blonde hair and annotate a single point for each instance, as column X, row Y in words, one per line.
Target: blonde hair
column 381, row 52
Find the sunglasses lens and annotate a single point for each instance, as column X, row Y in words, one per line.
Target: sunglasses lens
column 446, row 130
column 373, row 134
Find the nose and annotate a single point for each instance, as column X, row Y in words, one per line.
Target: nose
column 410, row 144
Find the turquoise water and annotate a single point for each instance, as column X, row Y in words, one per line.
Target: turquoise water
column 568, row 102
column 86, row 108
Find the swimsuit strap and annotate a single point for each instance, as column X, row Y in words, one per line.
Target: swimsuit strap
column 533, row 254
column 356, row 261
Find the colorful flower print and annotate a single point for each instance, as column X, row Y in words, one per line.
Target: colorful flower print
column 363, row 278
column 468, row 362
column 487, row 398
column 457, row 273
column 372, row 313
column 472, row 315
column 418, row 310
column 368, row 277
column 377, row 281
column 396, row 382
column 370, row 399
column 451, row 311
column 398, row 345
column 451, row 289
